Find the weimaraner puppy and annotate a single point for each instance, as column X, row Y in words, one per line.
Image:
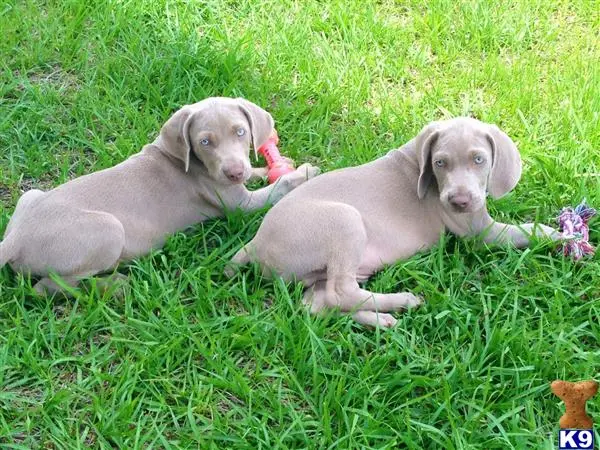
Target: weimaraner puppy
column 341, row 227
column 194, row 170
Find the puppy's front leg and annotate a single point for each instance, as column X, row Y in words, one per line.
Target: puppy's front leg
column 517, row 235
column 275, row 192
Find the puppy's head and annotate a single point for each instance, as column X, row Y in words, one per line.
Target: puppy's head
column 217, row 132
column 466, row 158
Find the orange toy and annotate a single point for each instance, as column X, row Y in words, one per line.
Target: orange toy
column 276, row 164
column 575, row 395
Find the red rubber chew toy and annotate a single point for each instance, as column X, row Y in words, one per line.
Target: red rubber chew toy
column 276, row 164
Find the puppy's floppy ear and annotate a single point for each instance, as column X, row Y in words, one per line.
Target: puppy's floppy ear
column 261, row 122
column 423, row 143
column 175, row 135
column 506, row 163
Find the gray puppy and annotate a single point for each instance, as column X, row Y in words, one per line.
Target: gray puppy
column 343, row 226
column 193, row 171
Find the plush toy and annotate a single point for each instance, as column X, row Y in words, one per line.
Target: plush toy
column 574, row 228
column 276, row 164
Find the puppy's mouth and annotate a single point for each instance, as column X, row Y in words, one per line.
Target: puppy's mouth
column 461, row 209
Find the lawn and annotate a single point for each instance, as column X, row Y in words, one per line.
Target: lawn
column 190, row 359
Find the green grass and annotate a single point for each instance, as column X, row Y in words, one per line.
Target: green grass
column 190, row 359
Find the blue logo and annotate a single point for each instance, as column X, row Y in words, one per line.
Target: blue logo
column 575, row 439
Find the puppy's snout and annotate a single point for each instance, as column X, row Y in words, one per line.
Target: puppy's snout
column 460, row 201
column 234, row 173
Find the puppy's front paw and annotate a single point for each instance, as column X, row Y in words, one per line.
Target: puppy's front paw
column 415, row 301
column 386, row 320
column 229, row 270
column 294, row 179
column 308, row 171
column 544, row 232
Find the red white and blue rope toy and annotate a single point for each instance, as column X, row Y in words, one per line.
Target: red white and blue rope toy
column 575, row 231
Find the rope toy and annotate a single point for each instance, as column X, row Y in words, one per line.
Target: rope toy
column 574, row 228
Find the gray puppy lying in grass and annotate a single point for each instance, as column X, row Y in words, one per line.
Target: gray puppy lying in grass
column 343, row 226
column 193, row 171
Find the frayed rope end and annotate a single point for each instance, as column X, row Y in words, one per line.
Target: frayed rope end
column 574, row 228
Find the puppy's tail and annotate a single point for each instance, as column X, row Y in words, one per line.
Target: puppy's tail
column 241, row 258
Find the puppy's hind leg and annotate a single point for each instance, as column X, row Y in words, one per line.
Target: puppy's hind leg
column 91, row 243
column 346, row 251
column 369, row 308
column 113, row 285
column 316, row 297
column 241, row 258
column 47, row 286
column 375, row 319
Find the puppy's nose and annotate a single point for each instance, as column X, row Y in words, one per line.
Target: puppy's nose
column 460, row 201
column 234, row 173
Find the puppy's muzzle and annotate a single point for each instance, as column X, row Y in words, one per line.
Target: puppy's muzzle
column 234, row 173
column 460, row 201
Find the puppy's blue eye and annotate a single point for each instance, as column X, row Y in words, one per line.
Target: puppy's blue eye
column 240, row 132
column 478, row 159
column 439, row 162
column 205, row 142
